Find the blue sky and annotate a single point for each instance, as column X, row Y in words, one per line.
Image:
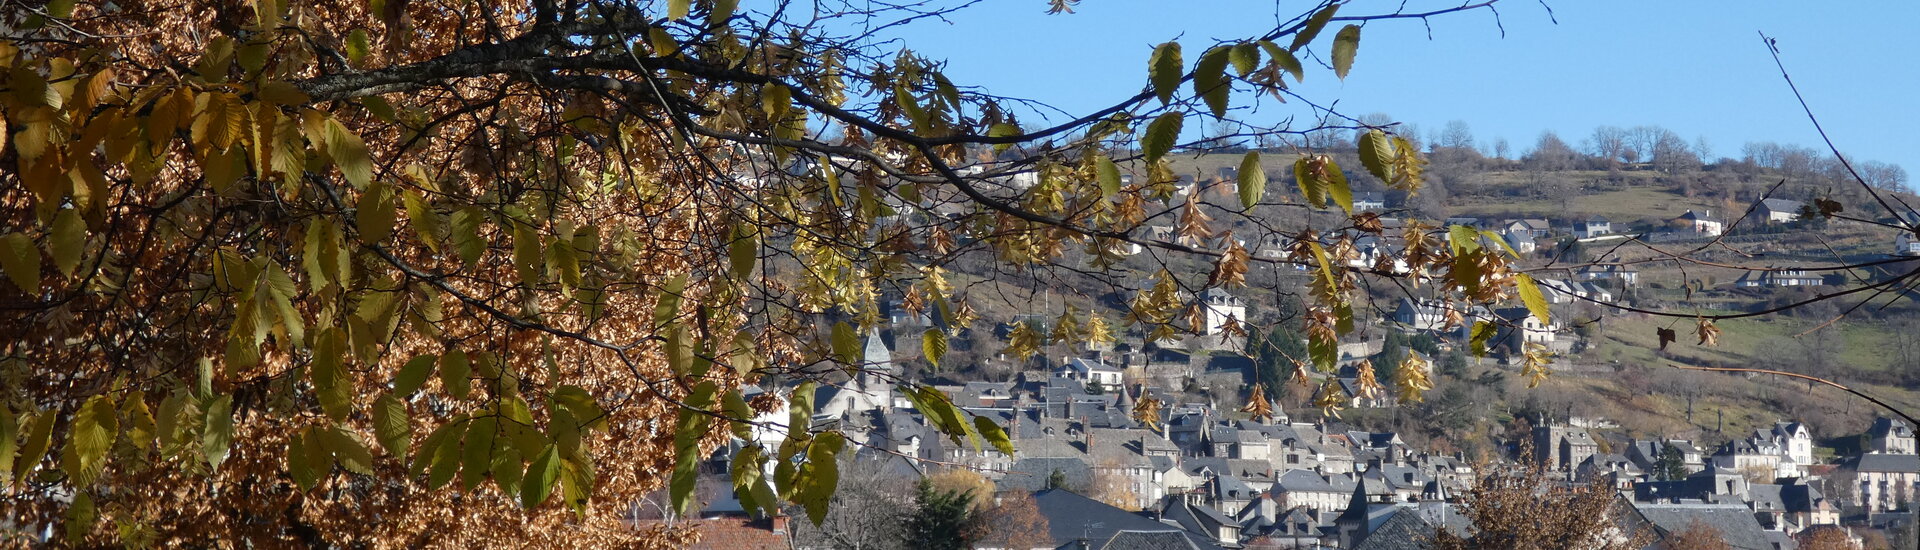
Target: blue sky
column 1697, row 68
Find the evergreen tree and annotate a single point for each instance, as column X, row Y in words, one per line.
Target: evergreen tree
column 1057, row 480
column 940, row 520
column 1456, row 366
column 1670, row 465
column 1273, row 357
column 1392, row 352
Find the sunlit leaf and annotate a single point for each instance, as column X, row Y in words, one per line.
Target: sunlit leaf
column 1161, row 135
column 1346, row 43
column 1164, row 70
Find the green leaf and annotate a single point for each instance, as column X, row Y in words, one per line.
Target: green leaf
column 1245, row 57
column 139, row 428
column 1161, row 135
column 582, row 404
column 949, row 418
column 746, row 471
column 734, row 407
column 679, row 349
column 846, row 343
column 994, row 434
column 167, row 423
column 420, row 215
column 1530, row 295
column 743, row 251
column 1164, row 70
column 429, row 449
column 1313, row 26
column 349, row 153
column 33, row 449
column 357, row 47
column 445, row 457
column 62, row 9
column 1324, row 349
column 477, row 451
column 800, row 410
column 216, row 439
column 81, row 514
column 456, row 373
column 330, row 379
column 540, row 477
column 1482, row 333
column 823, row 475
column 776, row 100
column 1376, row 153
column 69, row 241
column 1109, row 175
column 1284, row 59
column 507, row 471
column 690, row 428
column 392, row 425
column 668, row 306
column 676, row 10
column 1337, row 188
column 1500, row 240
column 348, row 450
column 1462, row 239
column 21, row 260
column 933, row 344
column 95, row 426
column 1253, row 180
column 374, row 214
column 527, row 259
column 413, row 375
column 304, row 474
column 1210, row 79
column 465, row 233
column 1001, row 130
column 1311, row 188
column 9, row 440
column 1345, row 44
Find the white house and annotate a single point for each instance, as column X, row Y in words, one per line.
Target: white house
column 1092, row 371
column 1370, row 200
column 1521, row 242
column 1782, row 277
column 1776, row 211
column 1221, row 306
column 1885, row 480
column 1701, row 221
column 1906, row 245
column 1891, row 436
column 1626, row 274
column 1592, row 227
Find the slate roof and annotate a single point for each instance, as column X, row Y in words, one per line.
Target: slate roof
column 1405, row 530
column 1781, row 205
column 1882, row 426
column 1877, row 462
column 1032, row 473
column 1736, row 523
column 1305, row 481
column 1072, row 517
column 1149, row 540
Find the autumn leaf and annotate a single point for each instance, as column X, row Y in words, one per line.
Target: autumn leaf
column 1709, row 334
column 1666, row 336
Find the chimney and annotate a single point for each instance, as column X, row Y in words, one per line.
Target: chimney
column 778, row 524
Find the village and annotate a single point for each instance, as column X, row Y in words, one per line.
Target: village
column 1192, row 472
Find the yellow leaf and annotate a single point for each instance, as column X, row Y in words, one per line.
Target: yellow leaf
column 21, row 260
